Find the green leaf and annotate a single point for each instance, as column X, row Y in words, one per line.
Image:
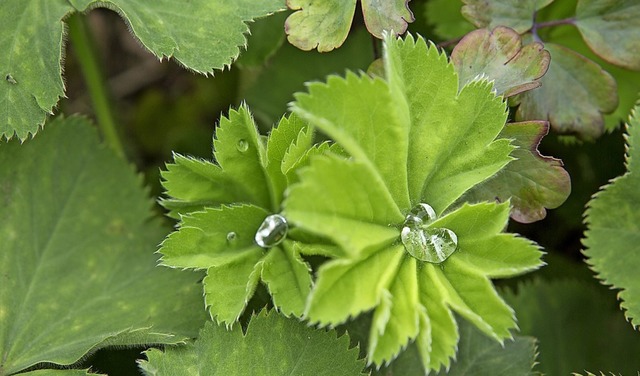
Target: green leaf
column 59, row 372
column 77, row 263
column 229, row 286
column 447, row 141
column 479, row 355
column 202, row 35
column 446, row 18
column 428, row 101
column 287, row 277
column 612, row 229
column 222, row 208
column 611, row 30
column 343, row 198
column 592, row 94
column 321, row 24
column 30, row 64
column 272, row 345
column 345, row 288
column 557, row 313
column 499, row 56
column 267, row 36
column 516, row 14
column 532, row 182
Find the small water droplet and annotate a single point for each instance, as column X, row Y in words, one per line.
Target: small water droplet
column 272, row 231
column 424, row 243
column 231, row 236
column 242, row 146
column 421, row 214
column 10, row 79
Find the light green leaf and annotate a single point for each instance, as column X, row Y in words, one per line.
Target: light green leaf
column 287, row 277
column 478, row 355
column 241, row 153
column 193, row 184
column 424, row 88
column 30, row 64
column 341, row 102
column 498, row 55
column 272, row 345
column 213, row 237
column 285, row 146
column 532, row 182
column 202, row 35
column 77, row 263
column 611, row 29
column 321, row 24
column 446, row 18
column 389, row 336
column 346, row 288
column 592, row 94
column 343, row 198
column 516, row 14
column 557, row 313
column 613, row 235
column 449, row 137
column 231, row 201
column 229, row 286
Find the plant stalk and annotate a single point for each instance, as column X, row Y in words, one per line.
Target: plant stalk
column 84, row 49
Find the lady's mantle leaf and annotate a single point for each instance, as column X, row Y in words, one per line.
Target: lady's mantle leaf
column 60, row 372
column 557, row 312
column 30, row 71
column 415, row 138
column 575, row 95
column 202, row 35
column 532, row 181
column 613, row 234
column 324, row 24
column 611, row 28
column 76, row 257
column 272, row 345
column 221, row 207
column 498, row 56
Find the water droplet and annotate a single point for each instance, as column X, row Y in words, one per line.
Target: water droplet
column 272, row 231
column 429, row 244
column 420, row 215
column 242, row 145
column 231, row 236
column 424, row 243
column 10, row 79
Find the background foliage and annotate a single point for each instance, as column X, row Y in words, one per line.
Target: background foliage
column 79, row 286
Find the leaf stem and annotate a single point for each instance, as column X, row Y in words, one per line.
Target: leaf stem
column 565, row 21
column 83, row 46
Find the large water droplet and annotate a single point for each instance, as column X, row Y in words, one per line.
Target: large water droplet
column 242, row 146
column 272, row 231
column 424, row 243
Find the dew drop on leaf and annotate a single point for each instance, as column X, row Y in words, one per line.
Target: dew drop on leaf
column 242, row 146
column 432, row 245
column 231, row 237
column 272, row 231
